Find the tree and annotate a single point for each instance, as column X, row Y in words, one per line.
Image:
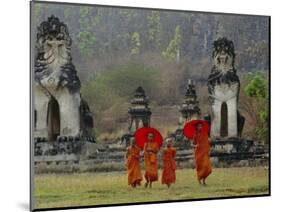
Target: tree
column 154, row 29
column 257, row 89
column 86, row 37
column 173, row 49
column 135, row 43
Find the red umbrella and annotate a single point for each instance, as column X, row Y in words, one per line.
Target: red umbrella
column 190, row 128
column 141, row 136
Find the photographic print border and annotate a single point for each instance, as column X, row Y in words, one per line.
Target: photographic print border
column 136, row 203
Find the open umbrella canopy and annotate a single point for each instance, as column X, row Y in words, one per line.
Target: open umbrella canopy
column 190, row 128
column 142, row 133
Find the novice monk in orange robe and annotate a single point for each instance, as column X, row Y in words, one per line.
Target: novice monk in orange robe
column 201, row 152
column 169, row 164
column 150, row 161
column 133, row 164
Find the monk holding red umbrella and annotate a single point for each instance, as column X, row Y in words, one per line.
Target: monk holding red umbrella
column 198, row 131
column 150, row 140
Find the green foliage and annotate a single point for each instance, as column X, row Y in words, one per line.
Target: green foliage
column 257, row 88
column 86, row 42
column 101, row 32
column 119, row 84
column 154, row 29
column 135, row 43
column 86, row 36
column 256, row 52
column 67, row 12
column 37, row 12
column 174, row 45
column 127, row 13
column 263, row 131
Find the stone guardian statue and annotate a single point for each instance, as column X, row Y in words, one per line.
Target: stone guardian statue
column 223, row 87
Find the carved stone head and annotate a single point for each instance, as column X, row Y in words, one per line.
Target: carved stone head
column 53, row 41
column 223, row 54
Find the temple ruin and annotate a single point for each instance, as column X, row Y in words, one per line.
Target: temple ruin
column 61, row 115
column 190, row 106
column 139, row 111
column 139, row 114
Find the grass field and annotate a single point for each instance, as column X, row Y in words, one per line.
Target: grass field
column 61, row 190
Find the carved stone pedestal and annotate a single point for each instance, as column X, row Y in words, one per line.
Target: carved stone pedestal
column 235, row 151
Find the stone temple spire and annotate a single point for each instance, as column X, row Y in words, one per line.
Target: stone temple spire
column 190, row 106
column 139, row 111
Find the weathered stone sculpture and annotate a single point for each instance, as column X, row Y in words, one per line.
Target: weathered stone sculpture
column 139, row 111
column 86, row 121
column 190, row 106
column 59, row 112
column 224, row 86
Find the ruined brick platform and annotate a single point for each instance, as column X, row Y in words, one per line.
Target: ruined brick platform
column 86, row 156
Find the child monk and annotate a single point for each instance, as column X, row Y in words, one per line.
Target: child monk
column 201, row 152
column 169, row 164
column 133, row 164
column 150, row 160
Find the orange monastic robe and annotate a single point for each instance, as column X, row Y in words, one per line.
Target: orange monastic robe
column 202, row 160
column 169, row 166
column 150, row 161
column 133, row 165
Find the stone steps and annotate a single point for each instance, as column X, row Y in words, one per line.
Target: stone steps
column 106, row 157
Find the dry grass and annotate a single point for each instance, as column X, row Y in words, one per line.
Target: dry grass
column 63, row 190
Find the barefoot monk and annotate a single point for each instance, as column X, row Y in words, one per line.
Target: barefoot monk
column 150, row 160
column 169, row 164
column 133, row 164
column 201, row 152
